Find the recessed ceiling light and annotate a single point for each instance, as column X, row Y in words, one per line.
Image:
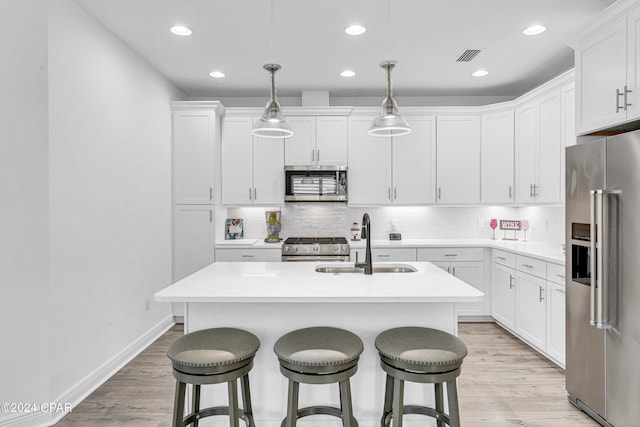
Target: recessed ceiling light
column 355, row 30
column 181, row 30
column 217, row 74
column 348, row 73
column 479, row 73
column 534, row 30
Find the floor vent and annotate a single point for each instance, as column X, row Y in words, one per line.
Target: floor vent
column 468, row 55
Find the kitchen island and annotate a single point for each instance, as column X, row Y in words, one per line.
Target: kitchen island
column 271, row 299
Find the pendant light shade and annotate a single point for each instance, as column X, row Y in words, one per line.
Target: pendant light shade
column 389, row 122
column 272, row 123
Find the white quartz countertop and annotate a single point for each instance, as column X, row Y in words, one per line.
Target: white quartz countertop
column 542, row 251
column 299, row 282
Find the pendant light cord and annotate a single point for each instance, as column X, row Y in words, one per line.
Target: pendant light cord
column 271, row 30
column 388, row 29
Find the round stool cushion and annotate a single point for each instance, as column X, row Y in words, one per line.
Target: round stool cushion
column 211, row 351
column 318, row 347
column 421, row 349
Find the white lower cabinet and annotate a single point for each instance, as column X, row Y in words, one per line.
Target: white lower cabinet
column 531, row 309
column 467, row 264
column 384, row 254
column 248, row 254
column 503, row 295
column 556, row 322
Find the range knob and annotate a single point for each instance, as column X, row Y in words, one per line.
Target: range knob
column 286, row 248
column 336, row 248
column 316, row 249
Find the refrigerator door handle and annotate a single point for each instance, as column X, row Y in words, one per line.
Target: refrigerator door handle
column 600, row 240
column 594, row 262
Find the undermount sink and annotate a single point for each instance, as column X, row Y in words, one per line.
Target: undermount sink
column 384, row 268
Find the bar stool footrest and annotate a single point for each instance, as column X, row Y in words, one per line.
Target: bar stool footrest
column 320, row 410
column 217, row 410
column 416, row 409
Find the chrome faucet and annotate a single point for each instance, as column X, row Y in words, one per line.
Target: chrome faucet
column 366, row 234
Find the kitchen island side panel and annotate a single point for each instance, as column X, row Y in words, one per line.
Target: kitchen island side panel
column 269, row 321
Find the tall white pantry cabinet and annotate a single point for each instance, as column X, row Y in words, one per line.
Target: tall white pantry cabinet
column 195, row 136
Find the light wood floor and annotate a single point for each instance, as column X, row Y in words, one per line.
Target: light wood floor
column 503, row 383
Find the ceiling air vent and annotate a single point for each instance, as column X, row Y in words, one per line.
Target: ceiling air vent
column 468, row 55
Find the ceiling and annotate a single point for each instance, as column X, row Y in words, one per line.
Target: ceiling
column 309, row 41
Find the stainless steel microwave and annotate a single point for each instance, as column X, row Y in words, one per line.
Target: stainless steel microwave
column 315, row 183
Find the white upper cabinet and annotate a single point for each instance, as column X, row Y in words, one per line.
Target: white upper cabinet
column 320, row 140
column 607, row 73
column 538, row 150
column 414, row 163
column 252, row 167
column 496, row 163
column 369, row 170
column 458, row 159
column 194, row 137
column 398, row 170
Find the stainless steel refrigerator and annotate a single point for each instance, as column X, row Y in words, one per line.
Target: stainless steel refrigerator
column 603, row 278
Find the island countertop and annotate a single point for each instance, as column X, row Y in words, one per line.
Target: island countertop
column 299, row 282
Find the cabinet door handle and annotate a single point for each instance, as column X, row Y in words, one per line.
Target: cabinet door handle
column 618, row 95
column 450, row 254
column 449, row 270
column 531, row 191
column 439, row 192
column 510, row 192
column 210, row 193
column 383, row 255
column 318, row 155
column 255, row 194
column 535, row 190
column 562, row 291
column 561, row 276
column 502, row 258
column 541, row 294
column 626, row 92
column 510, row 281
column 527, row 265
column 210, row 215
column 454, row 271
column 313, row 155
column 247, row 256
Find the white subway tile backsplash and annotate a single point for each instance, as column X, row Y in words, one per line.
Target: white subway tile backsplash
column 426, row 222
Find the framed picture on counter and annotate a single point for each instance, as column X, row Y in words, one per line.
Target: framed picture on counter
column 233, row 229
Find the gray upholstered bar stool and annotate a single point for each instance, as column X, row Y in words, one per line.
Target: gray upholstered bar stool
column 319, row 355
column 420, row 355
column 213, row 356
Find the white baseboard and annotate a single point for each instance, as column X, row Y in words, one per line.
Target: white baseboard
column 83, row 388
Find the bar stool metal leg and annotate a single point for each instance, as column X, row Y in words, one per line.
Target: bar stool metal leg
column 452, row 395
column 178, row 405
column 246, row 400
column 195, row 401
column 439, row 402
column 398, row 399
column 233, row 404
column 292, row 404
column 388, row 400
column 345, row 404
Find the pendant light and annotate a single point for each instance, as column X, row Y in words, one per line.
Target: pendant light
column 389, row 122
column 272, row 124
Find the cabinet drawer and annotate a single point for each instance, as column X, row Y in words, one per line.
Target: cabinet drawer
column 249, row 255
column 556, row 273
column 450, row 254
column 382, row 254
column 531, row 266
column 507, row 259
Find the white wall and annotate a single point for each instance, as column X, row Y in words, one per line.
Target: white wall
column 110, row 192
column 24, row 241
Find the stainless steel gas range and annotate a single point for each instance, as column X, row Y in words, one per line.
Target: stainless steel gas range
column 315, row 249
